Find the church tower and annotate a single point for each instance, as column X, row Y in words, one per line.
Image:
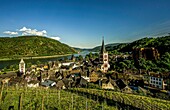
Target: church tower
column 104, row 58
column 22, row 66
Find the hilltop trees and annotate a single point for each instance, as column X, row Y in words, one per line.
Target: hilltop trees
column 32, row 46
column 164, row 62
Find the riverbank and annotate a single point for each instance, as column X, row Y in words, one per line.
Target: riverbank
column 36, row 57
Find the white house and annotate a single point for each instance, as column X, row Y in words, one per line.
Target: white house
column 157, row 81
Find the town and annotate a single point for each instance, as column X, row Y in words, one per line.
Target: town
column 84, row 55
column 96, row 71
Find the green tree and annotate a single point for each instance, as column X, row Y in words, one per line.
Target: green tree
column 80, row 58
column 122, row 66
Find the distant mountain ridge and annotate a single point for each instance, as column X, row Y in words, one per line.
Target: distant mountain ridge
column 108, row 47
column 80, row 49
column 32, row 46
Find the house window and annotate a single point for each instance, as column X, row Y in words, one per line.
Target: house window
column 156, row 82
column 153, row 81
column 159, row 79
column 159, row 83
column 153, row 78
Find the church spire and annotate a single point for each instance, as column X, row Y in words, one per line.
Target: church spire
column 103, row 46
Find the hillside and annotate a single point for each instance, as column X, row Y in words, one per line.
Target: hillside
column 108, row 47
column 47, row 99
column 76, row 99
column 125, row 101
column 80, row 49
column 160, row 43
column 32, row 46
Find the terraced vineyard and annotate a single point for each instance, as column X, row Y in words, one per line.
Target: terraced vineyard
column 47, row 99
column 125, row 101
column 76, row 99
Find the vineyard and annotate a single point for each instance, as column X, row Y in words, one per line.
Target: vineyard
column 23, row 98
column 125, row 101
column 47, row 99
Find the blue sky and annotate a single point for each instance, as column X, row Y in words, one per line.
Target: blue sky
column 82, row 23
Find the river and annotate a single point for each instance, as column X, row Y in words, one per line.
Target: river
column 33, row 61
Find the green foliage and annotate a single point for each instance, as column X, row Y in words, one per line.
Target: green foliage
column 93, row 86
column 80, row 58
column 32, row 46
column 91, row 56
column 141, row 102
column 160, row 43
column 47, row 99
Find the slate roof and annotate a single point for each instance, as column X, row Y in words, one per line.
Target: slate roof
column 8, row 75
column 60, row 84
column 47, row 83
column 83, row 81
column 120, row 83
column 136, row 83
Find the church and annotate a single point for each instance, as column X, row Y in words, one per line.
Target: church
column 22, row 67
column 104, row 58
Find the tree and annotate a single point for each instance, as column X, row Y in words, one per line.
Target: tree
column 38, row 62
column 87, row 58
column 29, row 65
column 80, row 58
column 122, row 66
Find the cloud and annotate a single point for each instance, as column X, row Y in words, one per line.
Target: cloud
column 28, row 31
column 55, row 38
column 10, row 33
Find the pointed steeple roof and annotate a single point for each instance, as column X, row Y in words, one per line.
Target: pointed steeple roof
column 22, row 61
column 103, row 46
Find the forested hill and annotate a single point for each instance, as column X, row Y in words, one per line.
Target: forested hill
column 32, row 46
column 160, row 43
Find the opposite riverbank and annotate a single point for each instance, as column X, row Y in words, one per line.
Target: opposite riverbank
column 35, row 57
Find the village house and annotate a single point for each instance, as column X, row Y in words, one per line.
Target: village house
column 8, row 75
column 93, row 77
column 106, row 84
column 48, row 83
column 86, row 78
column 135, row 84
column 33, row 83
column 83, row 82
column 123, row 87
column 60, row 85
column 157, row 81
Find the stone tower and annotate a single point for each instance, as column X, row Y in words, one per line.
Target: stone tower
column 104, row 58
column 22, row 66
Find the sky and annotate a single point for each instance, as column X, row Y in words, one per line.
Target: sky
column 83, row 23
